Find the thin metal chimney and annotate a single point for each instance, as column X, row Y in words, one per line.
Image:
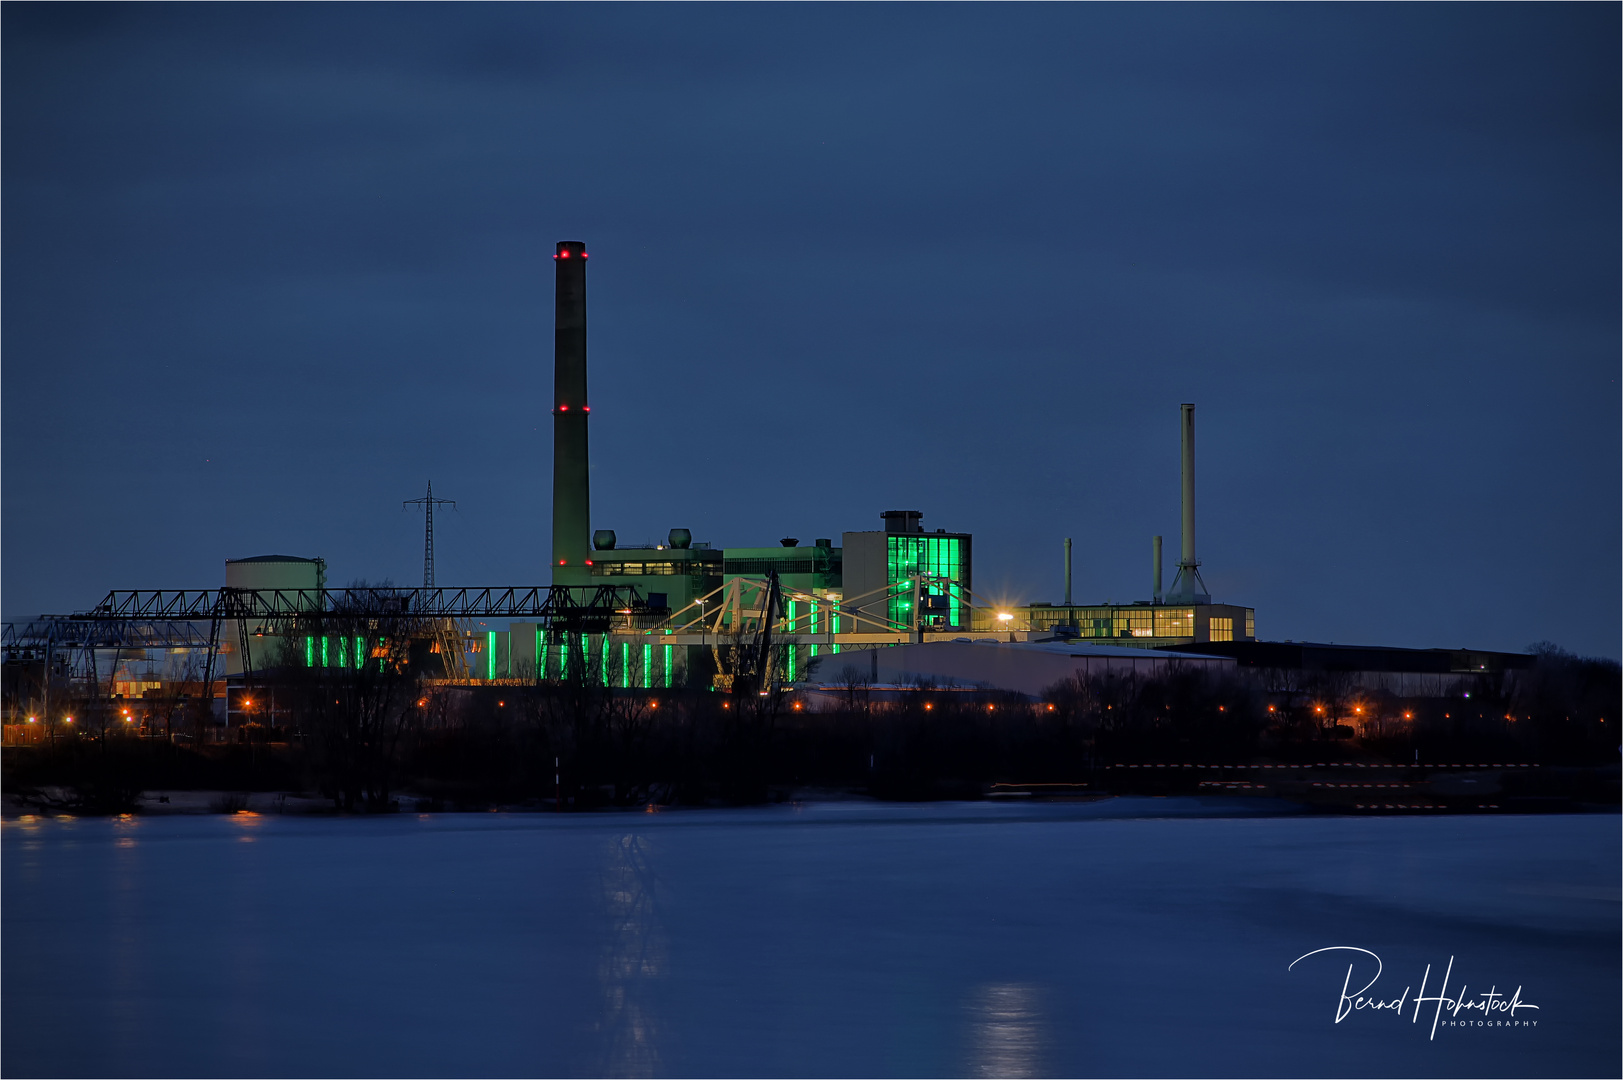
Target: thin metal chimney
column 571, row 485
column 1187, row 587
column 1155, row 557
column 1067, row 571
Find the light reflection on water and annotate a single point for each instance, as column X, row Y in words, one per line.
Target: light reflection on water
column 1005, row 1031
column 634, row 956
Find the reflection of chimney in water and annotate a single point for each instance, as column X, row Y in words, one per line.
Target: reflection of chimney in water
column 571, row 485
column 1007, row 1036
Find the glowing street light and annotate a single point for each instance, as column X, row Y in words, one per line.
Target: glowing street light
column 1004, row 616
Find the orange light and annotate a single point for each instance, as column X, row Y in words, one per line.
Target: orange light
column 501, row 703
column 797, row 704
column 33, row 720
column 726, row 704
column 1359, row 709
column 69, row 719
column 1222, row 708
column 928, row 706
column 421, row 702
column 1270, row 708
column 1050, row 708
column 653, row 704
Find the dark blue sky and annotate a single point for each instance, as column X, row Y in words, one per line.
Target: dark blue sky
column 269, row 268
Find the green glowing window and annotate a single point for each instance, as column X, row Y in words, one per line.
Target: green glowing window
column 490, row 655
column 939, row 557
column 360, row 652
column 309, row 652
column 324, row 651
column 647, row 665
column 667, row 667
column 625, row 666
column 604, row 662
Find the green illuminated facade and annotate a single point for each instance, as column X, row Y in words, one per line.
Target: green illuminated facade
column 664, row 576
column 941, row 562
column 880, row 567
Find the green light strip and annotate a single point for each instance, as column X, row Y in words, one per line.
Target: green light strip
column 647, row 665
column 490, row 655
column 667, row 667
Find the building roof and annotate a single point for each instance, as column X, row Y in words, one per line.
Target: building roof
column 275, row 558
column 1332, row 657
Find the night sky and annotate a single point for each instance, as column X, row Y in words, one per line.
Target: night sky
column 268, row 269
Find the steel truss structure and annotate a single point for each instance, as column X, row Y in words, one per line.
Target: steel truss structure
column 131, row 619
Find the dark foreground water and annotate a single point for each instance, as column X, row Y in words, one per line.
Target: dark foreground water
column 1129, row 937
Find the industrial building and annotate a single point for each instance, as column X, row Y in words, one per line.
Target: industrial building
column 680, row 613
column 901, row 584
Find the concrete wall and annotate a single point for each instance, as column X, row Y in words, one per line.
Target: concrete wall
column 864, row 572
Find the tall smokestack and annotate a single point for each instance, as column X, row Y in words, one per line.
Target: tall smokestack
column 1188, row 429
column 571, row 486
column 1067, row 571
column 1187, row 587
column 1155, row 557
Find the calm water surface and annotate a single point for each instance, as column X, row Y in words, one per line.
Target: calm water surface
column 1128, row 937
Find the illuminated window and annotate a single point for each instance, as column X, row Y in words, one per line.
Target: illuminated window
column 1134, row 622
column 1222, row 629
column 936, row 556
column 1175, row 622
column 1250, row 625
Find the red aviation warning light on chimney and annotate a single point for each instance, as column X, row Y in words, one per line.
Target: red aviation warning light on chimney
column 571, row 491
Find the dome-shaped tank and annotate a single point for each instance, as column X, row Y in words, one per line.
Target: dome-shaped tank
column 603, row 540
column 680, row 538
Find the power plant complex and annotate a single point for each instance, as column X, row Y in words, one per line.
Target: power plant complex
column 893, row 603
column 874, row 588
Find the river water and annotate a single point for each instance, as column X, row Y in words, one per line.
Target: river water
column 1131, row 937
